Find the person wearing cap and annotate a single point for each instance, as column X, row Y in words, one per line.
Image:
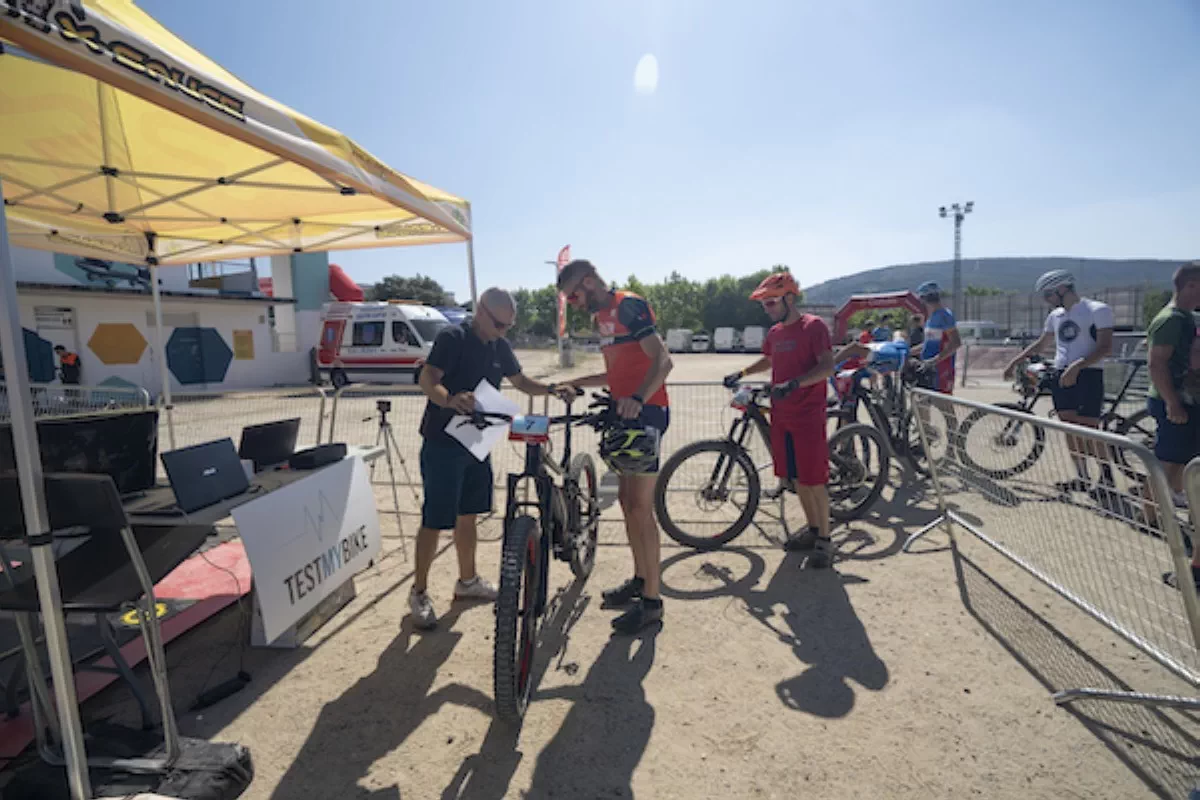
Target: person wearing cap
column 940, row 348
column 799, row 352
column 1082, row 332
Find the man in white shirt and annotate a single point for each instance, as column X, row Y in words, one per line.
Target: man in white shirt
column 1082, row 331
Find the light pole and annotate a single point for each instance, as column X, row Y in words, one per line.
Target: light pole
column 959, row 212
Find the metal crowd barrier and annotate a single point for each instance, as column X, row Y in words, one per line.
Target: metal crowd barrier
column 1088, row 513
column 198, row 417
column 51, row 400
column 699, row 410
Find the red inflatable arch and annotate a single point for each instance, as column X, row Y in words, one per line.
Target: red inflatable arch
column 859, row 302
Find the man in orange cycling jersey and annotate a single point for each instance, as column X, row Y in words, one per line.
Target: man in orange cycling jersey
column 799, row 353
column 636, row 365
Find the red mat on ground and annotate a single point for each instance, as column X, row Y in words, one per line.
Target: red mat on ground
column 213, row 579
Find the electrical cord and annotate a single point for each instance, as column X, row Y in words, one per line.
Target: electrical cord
column 239, row 641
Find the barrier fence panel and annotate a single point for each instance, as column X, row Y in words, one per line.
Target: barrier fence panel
column 206, row 416
column 1086, row 512
column 55, row 400
column 698, row 411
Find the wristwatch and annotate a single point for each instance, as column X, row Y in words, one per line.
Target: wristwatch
column 638, row 398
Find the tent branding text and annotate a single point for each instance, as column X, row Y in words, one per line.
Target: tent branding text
column 71, row 26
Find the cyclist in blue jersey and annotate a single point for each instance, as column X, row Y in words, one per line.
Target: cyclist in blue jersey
column 941, row 340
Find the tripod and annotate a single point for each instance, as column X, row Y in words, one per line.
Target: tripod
column 386, row 438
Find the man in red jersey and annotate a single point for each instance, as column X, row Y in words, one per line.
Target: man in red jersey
column 636, row 365
column 799, row 353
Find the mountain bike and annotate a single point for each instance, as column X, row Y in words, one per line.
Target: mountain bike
column 560, row 518
column 889, row 410
column 728, row 479
column 1018, row 445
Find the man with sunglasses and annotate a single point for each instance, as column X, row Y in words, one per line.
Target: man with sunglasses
column 1082, row 332
column 799, row 352
column 457, row 486
column 636, row 365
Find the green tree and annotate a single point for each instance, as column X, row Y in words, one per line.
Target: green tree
column 421, row 288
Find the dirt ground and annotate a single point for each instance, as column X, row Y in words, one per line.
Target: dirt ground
column 891, row 675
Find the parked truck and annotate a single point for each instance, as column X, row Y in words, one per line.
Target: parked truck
column 727, row 340
column 679, row 340
column 752, row 338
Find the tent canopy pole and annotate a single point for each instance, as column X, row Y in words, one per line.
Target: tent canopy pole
column 37, row 520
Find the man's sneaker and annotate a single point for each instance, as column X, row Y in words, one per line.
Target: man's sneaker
column 1171, row 580
column 822, row 554
column 475, row 589
column 1073, row 485
column 802, row 541
column 642, row 613
column 622, row 595
column 422, row 611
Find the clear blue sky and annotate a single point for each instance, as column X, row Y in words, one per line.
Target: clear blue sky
column 822, row 135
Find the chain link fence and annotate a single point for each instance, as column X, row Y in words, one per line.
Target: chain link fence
column 1086, row 512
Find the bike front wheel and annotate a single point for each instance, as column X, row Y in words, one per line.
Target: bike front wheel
column 858, row 470
column 706, row 494
column 583, row 515
column 1003, row 446
column 517, row 615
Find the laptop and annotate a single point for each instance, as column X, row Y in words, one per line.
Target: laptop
column 205, row 474
column 269, row 444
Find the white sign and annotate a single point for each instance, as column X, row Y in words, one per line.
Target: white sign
column 54, row 318
column 481, row 442
column 307, row 539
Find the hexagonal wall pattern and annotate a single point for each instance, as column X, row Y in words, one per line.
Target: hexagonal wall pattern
column 198, row 355
column 117, row 343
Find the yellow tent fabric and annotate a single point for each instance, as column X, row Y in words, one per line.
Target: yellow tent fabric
column 120, row 141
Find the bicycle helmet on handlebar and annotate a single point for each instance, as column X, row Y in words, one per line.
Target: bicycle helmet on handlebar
column 629, row 448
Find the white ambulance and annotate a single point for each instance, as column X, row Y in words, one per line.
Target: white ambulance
column 379, row 342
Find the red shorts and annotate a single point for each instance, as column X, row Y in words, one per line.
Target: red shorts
column 799, row 449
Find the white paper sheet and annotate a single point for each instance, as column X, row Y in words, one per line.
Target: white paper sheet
column 481, row 442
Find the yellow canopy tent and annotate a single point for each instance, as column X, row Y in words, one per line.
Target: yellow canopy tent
column 120, row 141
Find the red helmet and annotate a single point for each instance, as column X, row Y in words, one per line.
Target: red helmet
column 777, row 284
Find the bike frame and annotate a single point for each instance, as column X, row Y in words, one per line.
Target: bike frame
column 1107, row 416
column 550, row 503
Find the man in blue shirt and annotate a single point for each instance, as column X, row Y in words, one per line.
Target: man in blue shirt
column 941, row 339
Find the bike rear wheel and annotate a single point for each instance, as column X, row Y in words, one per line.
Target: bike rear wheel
column 706, row 494
column 1006, row 441
column 858, row 470
column 583, row 515
column 517, row 615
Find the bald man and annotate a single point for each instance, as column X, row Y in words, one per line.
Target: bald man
column 457, row 486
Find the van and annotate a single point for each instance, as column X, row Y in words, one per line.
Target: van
column 727, row 340
column 700, row 342
column 384, row 342
column 752, row 338
column 679, row 340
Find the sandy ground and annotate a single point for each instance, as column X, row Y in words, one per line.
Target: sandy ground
column 892, row 675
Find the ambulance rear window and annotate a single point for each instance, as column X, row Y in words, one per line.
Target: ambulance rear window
column 368, row 334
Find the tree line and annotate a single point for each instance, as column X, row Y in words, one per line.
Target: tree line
column 678, row 302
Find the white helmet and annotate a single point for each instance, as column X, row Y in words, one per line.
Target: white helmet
column 1054, row 279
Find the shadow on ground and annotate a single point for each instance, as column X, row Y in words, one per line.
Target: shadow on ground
column 818, row 622
column 1160, row 746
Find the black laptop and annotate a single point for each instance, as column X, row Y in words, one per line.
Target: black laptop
column 269, row 444
column 205, row 474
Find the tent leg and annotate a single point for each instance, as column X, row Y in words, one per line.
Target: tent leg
column 471, row 263
column 161, row 354
column 37, row 521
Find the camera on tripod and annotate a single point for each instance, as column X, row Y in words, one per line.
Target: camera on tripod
column 384, row 406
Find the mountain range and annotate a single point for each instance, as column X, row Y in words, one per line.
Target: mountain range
column 1006, row 274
